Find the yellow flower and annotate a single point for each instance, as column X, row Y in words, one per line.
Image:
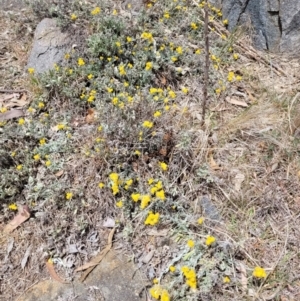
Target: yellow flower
column 163, row 166
column 157, row 114
column 226, row 279
column 67, row 56
column 190, row 243
column 135, row 197
column 223, row 37
column 118, row 44
column 235, row 56
column 96, row 11
column 13, row 206
column 70, row 71
column 81, row 62
column 21, row 121
column 36, row 157
column 194, row 26
column 115, row 188
column 90, row 76
column 172, row 94
column 119, row 204
column 155, row 281
column 3, row 110
column 13, row 154
column 73, row 17
column 165, row 296
column 210, row 240
column 114, row 177
column 48, row 163
column 259, row 272
column 145, row 200
column 30, row 70
column 69, row 195
column 128, row 183
column 218, row 91
column 152, row 219
column 42, row 141
column 191, row 277
column 159, row 194
column 137, row 152
column 172, row 268
column 41, row 105
column 230, row 76
column 19, row 167
column 166, row 15
column 239, row 78
column 122, row 70
column 147, row 36
column 200, row 220
column 155, row 291
column 174, row 59
column 61, row 126
column 101, row 185
column 225, row 22
column 148, row 66
column 115, row 13
column 198, row 51
column 128, row 39
column 126, row 84
column 185, row 90
column 148, row 124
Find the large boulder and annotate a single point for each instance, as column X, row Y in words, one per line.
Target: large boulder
column 275, row 23
column 49, row 46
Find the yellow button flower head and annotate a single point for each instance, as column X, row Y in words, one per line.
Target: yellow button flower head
column 190, row 243
column 115, row 188
column 101, row 185
column 210, row 240
column 225, row 22
column 235, row 56
column 200, row 220
column 148, row 124
column 61, row 126
column 259, row 272
column 226, row 279
column 30, row 70
column 145, row 200
column 152, row 218
column 157, row 114
column 165, row 296
column 114, row 177
column 19, row 167
column 42, row 141
column 36, row 157
column 119, row 204
column 185, row 90
column 166, row 15
column 194, row 26
column 21, row 121
column 135, row 197
column 159, row 194
column 163, row 166
column 230, row 76
column 73, row 17
column 13, row 206
column 96, row 11
column 69, row 195
column 81, row 62
column 155, row 291
column 172, row 269
column 48, row 163
column 148, row 66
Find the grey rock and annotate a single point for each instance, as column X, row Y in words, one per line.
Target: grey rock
column 274, row 24
column 114, row 279
column 209, row 209
column 49, row 46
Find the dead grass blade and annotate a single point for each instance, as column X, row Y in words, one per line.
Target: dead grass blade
column 236, row 102
column 52, row 272
column 21, row 217
column 92, row 264
column 11, row 114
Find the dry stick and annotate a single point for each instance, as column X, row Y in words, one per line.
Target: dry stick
column 206, row 64
column 12, row 91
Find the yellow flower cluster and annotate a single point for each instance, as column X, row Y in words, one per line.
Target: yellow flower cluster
column 96, row 11
column 190, row 275
column 69, row 195
column 92, row 96
column 114, row 177
column 190, row 243
column 147, row 36
column 158, row 292
column 81, row 62
column 122, row 70
column 147, row 124
column 149, row 66
column 13, row 206
column 163, row 166
column 210, row 240
column 152, row 218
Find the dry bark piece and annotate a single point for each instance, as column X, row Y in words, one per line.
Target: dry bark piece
column 14, row 113
column 21, row 217
column 89, row 266
column 237, row 102
column 52, row 272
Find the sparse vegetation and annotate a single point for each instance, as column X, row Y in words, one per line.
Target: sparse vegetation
column 116, row 130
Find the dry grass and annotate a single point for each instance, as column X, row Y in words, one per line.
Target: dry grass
column 244, row 159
